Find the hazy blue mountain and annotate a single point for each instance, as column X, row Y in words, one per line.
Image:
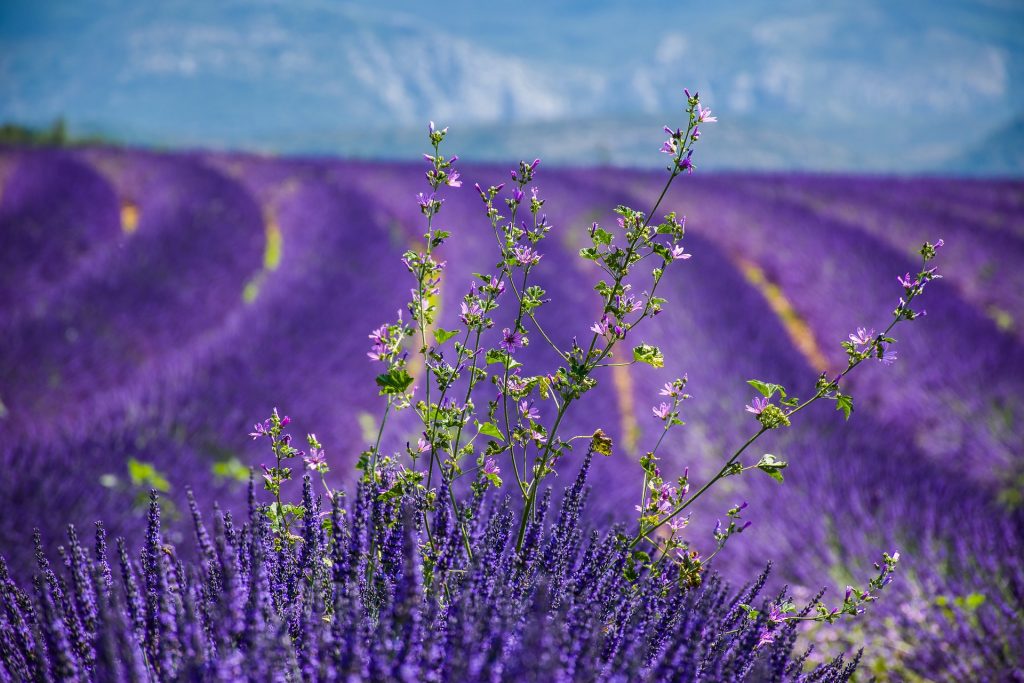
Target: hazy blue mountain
column 868, row 85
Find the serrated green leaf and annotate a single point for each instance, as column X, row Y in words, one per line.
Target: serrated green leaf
column 394, row 382
column 844, row 403
column 602, row 236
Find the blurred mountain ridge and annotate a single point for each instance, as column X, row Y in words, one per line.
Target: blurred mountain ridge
column 865, row 86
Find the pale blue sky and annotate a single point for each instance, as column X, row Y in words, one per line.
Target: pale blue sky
column 867, row 85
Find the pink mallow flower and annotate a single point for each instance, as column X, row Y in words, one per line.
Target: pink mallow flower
column 662, row 412
column 862, row 337
column 758, row 405
column 678, row 253
column 907, row 281
column 526, row 256
column 704, row 115
column 510, row 341
column 527, row 410
column 888, row 356
column 316, row 459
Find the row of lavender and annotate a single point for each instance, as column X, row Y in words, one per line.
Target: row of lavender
column 162, row 341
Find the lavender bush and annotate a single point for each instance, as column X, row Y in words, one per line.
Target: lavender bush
column 428, row 574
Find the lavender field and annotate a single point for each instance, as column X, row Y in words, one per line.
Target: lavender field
column 154, row 305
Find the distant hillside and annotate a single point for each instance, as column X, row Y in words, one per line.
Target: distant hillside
column 795, row 83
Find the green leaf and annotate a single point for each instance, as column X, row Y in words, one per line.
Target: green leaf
column 602, row 236
column 641, row 557
column 489, row 429
column 652, row 355
column 845, row 404
column 499, row 356
column 751, row 612
column 394, row 382
column 772, row 466
column 767, row 388
column 392, row 493
column 442, row 335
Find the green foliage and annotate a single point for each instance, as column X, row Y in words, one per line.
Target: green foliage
column 442, row 335
column 767, row 388
column 652, row 355
column 394, row 381
column 772, row 466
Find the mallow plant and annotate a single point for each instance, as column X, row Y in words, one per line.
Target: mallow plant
column 451, row 559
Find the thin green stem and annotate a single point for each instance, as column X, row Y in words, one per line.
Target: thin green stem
column 376, row 445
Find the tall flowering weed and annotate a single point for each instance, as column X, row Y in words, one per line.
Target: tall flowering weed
column 451, row 560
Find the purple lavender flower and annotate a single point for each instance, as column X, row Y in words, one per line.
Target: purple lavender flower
column 246, row 606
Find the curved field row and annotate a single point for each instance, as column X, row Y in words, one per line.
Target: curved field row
column 982, row 261
column 58, row 218
column 248, row 282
